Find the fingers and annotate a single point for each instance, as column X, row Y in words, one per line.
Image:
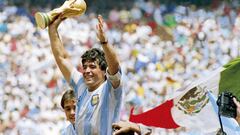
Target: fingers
column 72, row 10
column 116, row 129
column 100, row 29
column 99, row 33
column 118, row 132
column 121, row 131
column 100, row 20
column 115, row 126
column 100, row 26
column 57, row 21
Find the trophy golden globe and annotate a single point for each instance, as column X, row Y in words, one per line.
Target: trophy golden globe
column 70, row 8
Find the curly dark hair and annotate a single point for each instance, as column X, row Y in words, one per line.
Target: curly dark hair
column 68, row 95
column 95, row 54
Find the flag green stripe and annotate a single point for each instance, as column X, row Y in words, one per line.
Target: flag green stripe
column 230, row 78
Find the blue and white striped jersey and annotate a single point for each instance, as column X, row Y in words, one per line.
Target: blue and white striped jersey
column 96, row 110
column 69, row 130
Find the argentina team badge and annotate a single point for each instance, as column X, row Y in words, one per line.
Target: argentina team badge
column 95, row 99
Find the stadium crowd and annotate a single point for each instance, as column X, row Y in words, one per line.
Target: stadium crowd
column 161, row 48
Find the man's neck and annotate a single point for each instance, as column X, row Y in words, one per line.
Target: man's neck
column 91, row 89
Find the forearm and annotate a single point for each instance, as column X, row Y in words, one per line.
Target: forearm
column 111, row 58
column 60, row 54
column 110, row 55
column 56, row 45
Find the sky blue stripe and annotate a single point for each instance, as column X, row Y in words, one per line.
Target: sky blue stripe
column 227, row 122
column 80, row 102
column 87, row 127
column 104, row 110
column 79, row 83
column 93, row 107
column 69, row 130
column 79, row 97
column 118, row 93
column 88, row 117
column 76, row 86
column 118, row 104
column 72, row 83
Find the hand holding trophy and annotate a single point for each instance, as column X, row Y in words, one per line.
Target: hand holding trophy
column 70, row 8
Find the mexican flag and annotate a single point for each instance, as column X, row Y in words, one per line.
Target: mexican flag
column 194, row 106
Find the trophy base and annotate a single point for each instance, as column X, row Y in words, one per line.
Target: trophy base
column 42, row 20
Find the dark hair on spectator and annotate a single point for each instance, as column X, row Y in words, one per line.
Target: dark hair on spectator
column 68, row 95
column 95, row 54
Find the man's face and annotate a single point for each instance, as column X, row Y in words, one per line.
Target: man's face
column 69, row 109
column 93, row 75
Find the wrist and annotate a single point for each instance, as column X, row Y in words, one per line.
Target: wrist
column 103, row 42
column 53, row 30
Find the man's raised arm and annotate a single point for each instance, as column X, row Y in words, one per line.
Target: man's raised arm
column 60, row 54
column 110, row 55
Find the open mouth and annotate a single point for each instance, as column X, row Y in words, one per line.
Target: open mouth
column 73, row 119
column 87, row 77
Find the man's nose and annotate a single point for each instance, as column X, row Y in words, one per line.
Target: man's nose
column 72, row 111
column 87, row 69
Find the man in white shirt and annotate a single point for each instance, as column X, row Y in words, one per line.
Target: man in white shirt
column 98, row 88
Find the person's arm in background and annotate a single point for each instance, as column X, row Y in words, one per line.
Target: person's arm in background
column 125, row 127
column 238, row 110
column 110, row 55
column 60, row 54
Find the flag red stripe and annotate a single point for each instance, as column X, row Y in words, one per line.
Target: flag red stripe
column 157, row 117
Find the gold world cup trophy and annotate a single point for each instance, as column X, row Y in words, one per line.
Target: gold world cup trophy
column 70, row 8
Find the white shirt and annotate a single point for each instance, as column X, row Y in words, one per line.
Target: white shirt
column 69, row 130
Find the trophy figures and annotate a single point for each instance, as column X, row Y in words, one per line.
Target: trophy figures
column 70, row 8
